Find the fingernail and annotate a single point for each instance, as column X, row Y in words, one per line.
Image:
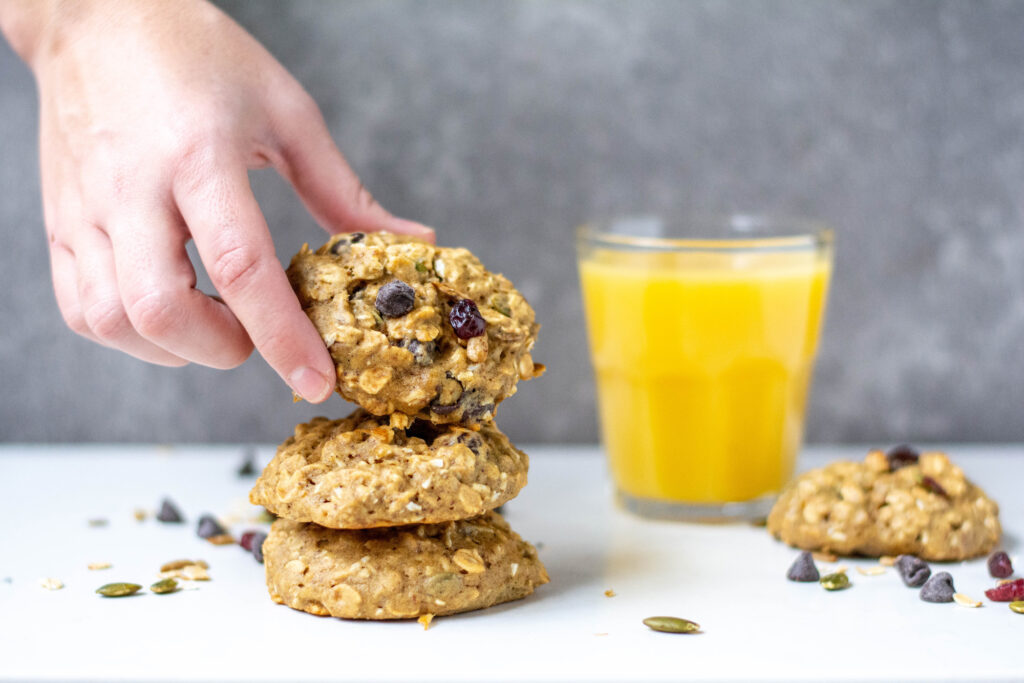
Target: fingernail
column 310, row 384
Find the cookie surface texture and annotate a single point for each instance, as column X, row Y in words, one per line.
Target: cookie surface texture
column 928, row 509
column 365, row 471
column 383, row 303
column 399, row 573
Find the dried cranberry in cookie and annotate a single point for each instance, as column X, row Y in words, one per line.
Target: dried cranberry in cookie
column 415, row 328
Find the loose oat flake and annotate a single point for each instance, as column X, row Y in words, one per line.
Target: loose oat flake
column 887, row 560
column 961, row 599
column 871, row 571
column 609, row 593
column 425, row 620
column 51, row 584
column 97, row 522
column 140, row 515
column 824, row 557
column 96, row 566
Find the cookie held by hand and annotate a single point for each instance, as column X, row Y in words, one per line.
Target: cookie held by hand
column 416, row 328
column 899, row 503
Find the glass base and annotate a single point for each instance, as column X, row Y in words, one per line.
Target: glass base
column 746, row 511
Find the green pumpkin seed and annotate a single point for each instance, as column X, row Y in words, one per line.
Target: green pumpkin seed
column 835, row 582
column 1017, row 606
column 165, row 586
column 443, row 585
column 420, row 268
column 671, row 625
column 118, row 590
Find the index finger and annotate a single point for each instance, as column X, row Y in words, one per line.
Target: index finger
column 234, row 244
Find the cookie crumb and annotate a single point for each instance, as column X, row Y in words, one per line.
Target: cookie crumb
column 425, row 620
column 609, row 593
column 51, row 584
column 140, row 515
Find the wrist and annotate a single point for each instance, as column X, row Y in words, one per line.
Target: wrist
column 23, row 22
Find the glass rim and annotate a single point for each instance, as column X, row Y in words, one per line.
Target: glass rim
column 795, row 234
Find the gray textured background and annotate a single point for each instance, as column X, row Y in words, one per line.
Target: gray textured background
column 505, row 124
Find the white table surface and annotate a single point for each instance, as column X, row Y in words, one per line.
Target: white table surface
column 729, row 578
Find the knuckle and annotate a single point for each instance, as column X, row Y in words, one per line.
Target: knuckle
column 106, row 319
column 155, row 314
column 235, row 268
column 75, row 320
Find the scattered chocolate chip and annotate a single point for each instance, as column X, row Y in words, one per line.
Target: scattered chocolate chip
column 913, row 570
column 209, row 527
column 466, row 320
column 803, row 569
column 248, row 467
column 395, row 299
column 902, row 456
column 346, row 241
column 999, row 565
column 939, row 588
column 934, row 487
column 472, row 441
column 169, row 512
column 257, row 546
column 356, row 237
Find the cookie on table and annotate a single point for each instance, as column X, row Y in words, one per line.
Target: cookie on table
column 384, row 306
column 365, row 471
column 896, row 504
column 401, row 572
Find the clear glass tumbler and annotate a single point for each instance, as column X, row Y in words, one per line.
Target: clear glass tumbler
column 703, row 335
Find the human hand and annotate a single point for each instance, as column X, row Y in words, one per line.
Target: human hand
column 151, row 114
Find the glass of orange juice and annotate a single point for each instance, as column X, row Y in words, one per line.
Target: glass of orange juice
column 703, row 335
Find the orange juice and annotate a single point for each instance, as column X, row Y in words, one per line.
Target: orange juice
column 703, row 361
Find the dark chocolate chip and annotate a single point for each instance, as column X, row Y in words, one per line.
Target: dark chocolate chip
column 803, row 569
column 169, row 512
column 913, row 570
column 395, row 299
column 939, row 588
column 208, row 526
column 902, row 456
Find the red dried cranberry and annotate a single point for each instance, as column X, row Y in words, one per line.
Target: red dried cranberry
column 257, row 546
column 466, row 319
column 1008, row 592
column 999, row 565
column 901, row 456
column 246, row 540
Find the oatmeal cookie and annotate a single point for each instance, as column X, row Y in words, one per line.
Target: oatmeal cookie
column 402, row 572
column 903, row 504
column 415, row 328
column 364, row 471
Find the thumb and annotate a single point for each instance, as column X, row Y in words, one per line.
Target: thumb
column 327, row 185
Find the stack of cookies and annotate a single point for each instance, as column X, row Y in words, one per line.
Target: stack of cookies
column 389, row 513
